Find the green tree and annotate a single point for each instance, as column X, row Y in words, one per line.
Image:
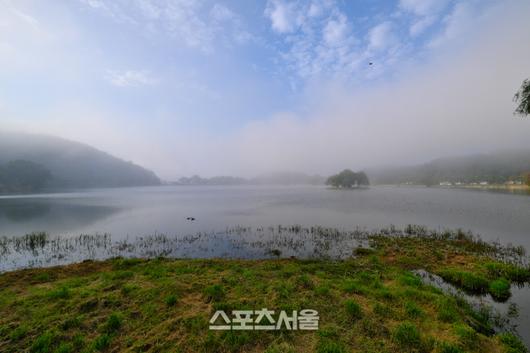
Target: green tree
column 522, row 98
column 348, row 179
column 363, row 178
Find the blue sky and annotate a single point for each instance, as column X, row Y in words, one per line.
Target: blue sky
column 201, row 72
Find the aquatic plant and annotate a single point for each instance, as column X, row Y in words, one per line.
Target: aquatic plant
column 500, row 289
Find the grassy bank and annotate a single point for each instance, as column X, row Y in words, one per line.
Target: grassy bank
column 371, row 303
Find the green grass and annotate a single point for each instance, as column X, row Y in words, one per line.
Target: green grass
column 500, row 289
column 407, row 336
column 353, row 309
column 171, row 300
column 469, row 281
column 513, row 344
column 370, row 303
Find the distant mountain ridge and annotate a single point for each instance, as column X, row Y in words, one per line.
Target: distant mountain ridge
column 281, row 178
column 495, row 167
column 72, row 164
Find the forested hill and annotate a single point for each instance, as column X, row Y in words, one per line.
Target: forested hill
column 70, row 164
column 496, row 167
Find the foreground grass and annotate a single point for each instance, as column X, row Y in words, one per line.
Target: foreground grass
column 371, row 303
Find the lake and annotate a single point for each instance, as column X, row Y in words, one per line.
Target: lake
column 132, row 212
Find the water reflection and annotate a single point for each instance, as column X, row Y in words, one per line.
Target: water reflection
column 20, row 216
column 39, row 249
column 512, row 315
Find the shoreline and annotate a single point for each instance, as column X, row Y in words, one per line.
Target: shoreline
column 371, row 301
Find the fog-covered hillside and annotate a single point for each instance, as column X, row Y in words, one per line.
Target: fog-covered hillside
column 496, row 167
column 72, row 164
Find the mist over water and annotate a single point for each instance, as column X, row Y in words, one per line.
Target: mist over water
column 135, row 212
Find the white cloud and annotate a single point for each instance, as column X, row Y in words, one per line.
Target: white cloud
column 382, row 36
column 336, row 31
column 426, row 12
column 190, row 22
column 318, row 36
column 420, row 25
column 315, row 10
column 131, row 78
column 459, row 21
column 97, row 4
column 283, row 15
column 423, row 7
column 222, row 13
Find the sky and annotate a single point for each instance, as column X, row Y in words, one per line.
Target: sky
column 248, row 87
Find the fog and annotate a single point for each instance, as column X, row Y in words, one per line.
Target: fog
column 458, row 104
column 457, row 101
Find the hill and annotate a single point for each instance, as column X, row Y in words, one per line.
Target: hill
column 71, row 164
column 280, row 178
column 495, row 167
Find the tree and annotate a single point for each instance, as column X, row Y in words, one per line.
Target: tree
column 348, row 179
column 363, row 178
column 522, row 98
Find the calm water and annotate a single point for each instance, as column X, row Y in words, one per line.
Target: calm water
column 144, row 211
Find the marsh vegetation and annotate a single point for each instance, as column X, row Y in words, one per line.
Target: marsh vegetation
column 369, row 300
